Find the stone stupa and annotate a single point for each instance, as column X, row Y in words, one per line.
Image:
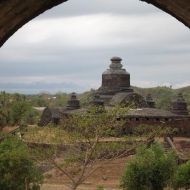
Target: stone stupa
column 114, row 80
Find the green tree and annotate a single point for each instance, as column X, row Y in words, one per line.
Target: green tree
column 15, row 109
column 5, row 105
column 21, row 112
column 182, row 178
column 17, row 171
column 85, row 133
column 151, row 169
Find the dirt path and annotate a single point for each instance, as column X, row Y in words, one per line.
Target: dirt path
column 63, row 187
column 108, row 176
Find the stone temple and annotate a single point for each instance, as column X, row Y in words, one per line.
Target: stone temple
column 116, row 90
column 73, row 103
column 179, row 106
column 115, row 79
column 116, row 87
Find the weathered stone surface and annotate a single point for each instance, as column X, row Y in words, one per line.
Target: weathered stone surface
column 179, row 106
column 179, row 9
column 150, row 102
column 51, row 115
column 128, row 99
column 115, row 78
column 97, row 101
column 15, row 13
column 73, row 103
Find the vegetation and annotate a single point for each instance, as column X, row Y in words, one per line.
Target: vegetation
column 164, row 95
column 17, row 170
column 85, row 136
column 16, row 110
column 150, row 169
column 182, row 178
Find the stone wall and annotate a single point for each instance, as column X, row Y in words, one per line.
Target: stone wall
column 115, row 82
column 182, row 124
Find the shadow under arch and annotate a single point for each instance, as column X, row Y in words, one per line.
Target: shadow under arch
column 15, row 13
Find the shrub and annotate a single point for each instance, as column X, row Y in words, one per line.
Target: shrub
column 182, row 178
column 151, row 169
column 17, row 171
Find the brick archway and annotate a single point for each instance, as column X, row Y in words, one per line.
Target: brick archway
column 15, row 13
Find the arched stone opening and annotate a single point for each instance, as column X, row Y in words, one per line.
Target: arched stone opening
column 15, row 13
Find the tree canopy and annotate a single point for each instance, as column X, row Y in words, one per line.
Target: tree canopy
column 17, row 170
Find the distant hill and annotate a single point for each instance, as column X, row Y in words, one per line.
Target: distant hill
column 164, row 95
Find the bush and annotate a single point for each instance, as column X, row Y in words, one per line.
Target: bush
column 17, row 171
column 182, row 178
column 15, row 109
column 151, row 169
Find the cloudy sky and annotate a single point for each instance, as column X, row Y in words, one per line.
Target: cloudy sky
column 68, row 47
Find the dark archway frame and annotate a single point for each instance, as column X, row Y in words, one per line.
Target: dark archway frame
column 15, row 13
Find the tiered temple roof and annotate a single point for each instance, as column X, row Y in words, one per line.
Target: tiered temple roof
column 150, row 102
column 73, row 103
column 97, row 101
column 115, row 79
column 179, row 106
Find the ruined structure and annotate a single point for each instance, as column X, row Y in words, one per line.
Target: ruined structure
column 131, row 99
column 116, row 87
column 51, row 115
column 97, row 101
column 150, row 102
column 179, row 106
column 116, row 90
column 73, row 103
column 15, row 13
column 115, row 79
column 54, row 115
column 157, row 117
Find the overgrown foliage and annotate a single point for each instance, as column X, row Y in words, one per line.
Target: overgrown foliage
column 16, row 110
column 17, row 170
column 149, row 131
column 150, row 169
column 164, row 95
column 182, row 178
column 86, row 137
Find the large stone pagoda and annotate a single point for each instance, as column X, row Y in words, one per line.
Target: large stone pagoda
column 116, row 90
column 114, row 80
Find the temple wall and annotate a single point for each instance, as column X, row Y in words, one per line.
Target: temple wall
column 115, row 81
column 181, row 124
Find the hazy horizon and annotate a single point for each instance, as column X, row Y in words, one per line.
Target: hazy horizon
column 58, row 92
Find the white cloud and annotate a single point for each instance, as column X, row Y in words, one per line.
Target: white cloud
column 75, row 49
column 93, row 31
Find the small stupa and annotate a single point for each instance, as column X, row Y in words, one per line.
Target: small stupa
column 179, row 106
column 150, row 102
column 97, row 101
column 73, row 103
